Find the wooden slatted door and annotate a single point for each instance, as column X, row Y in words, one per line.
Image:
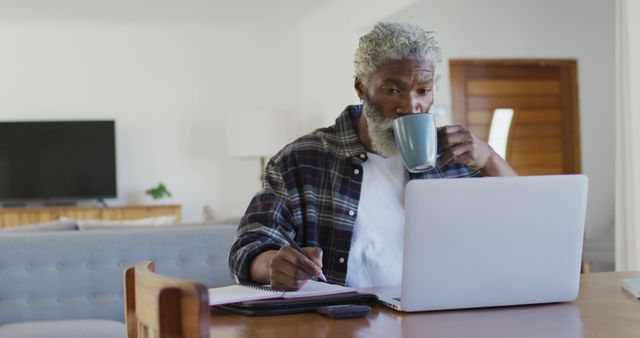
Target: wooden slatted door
column 543, row 134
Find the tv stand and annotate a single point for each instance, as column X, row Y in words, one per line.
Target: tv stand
column 20, row 216
column 59, row 204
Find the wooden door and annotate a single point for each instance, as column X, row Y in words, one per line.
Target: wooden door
column 543, row 137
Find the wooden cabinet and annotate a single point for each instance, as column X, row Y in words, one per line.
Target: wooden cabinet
column 20, row 216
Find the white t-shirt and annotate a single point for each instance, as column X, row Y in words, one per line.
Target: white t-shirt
column 375, row 256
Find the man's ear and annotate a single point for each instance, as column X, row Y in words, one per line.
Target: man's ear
column 359, row 86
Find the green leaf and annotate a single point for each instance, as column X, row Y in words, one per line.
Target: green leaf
column 158, row 192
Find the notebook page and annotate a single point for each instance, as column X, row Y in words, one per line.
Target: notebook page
column 240, row 293
column 313, row 288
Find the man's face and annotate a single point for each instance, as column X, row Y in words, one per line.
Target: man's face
column 397, row 88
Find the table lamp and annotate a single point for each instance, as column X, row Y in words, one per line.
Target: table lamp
column 256, row 134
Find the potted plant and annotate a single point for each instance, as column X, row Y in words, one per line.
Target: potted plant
column 158, row 192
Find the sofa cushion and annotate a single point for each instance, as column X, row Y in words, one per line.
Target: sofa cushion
column 68, row 275
column 83, row 328
column 60, row 225
column 110, row 224
column 230, row 220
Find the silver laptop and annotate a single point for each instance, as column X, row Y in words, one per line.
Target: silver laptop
column 495, row 241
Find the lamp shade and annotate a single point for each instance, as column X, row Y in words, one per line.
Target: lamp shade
column 254, row 134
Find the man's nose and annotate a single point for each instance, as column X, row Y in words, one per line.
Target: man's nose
column 410, row 105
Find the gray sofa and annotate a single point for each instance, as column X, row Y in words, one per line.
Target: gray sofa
column 69, row 283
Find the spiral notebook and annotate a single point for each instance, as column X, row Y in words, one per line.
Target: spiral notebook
column 243, row 292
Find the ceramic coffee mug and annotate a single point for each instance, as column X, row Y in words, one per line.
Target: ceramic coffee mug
column 416, row 137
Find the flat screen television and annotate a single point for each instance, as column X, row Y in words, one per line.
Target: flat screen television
column 57, row 160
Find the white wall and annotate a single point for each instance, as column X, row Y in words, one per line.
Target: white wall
column 328, row 39
column 627, row 234
column 168, row 85
column 580, row 29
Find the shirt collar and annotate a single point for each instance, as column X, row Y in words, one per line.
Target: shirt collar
column 347, row 133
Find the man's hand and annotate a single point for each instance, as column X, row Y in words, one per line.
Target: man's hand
column 456, row 144
column 287, row 268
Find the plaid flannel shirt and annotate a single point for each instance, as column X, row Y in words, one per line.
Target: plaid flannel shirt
column 312, row 189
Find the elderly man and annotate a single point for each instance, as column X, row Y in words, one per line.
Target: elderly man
column 339, row 190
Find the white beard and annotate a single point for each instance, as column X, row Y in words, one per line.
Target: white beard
column 380, row 129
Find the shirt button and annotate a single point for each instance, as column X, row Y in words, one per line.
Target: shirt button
column 356, row 171
column 341, row 260
column 351, row 212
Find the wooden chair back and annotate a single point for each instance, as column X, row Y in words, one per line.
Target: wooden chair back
column 158, row 306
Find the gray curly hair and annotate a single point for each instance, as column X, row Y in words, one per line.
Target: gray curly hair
column 394, row 41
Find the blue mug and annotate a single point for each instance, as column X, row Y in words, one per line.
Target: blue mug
column 417, row 140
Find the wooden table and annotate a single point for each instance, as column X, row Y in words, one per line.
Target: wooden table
column 601, row 310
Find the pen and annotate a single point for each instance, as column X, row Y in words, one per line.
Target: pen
column 295, row 245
